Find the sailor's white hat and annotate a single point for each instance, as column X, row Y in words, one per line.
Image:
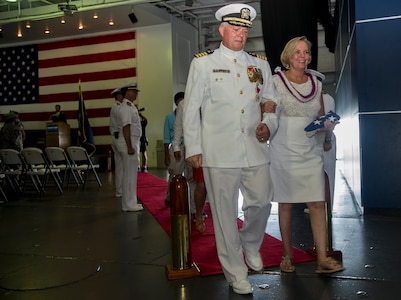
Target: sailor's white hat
column 237, row 14
column 116, row 91
column 130, row 86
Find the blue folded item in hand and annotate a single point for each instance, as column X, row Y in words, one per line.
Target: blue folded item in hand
column 319, row 122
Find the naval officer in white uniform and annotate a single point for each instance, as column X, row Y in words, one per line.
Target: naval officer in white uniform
column 229, row 142
column 128, row 146
column 115, row 135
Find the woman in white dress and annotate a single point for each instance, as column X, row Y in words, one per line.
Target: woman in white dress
column 296, row 159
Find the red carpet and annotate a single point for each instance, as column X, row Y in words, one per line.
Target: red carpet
column 152, row 192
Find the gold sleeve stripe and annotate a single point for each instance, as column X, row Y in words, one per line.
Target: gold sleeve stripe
column 258, row 55
column 205, row 53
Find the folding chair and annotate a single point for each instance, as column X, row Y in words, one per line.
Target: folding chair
column 39, row 170
column 3, row 194
column 82, row 163
column 58, row 159
column 13, row 168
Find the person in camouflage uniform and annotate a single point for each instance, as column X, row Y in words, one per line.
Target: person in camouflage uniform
column 9, row 133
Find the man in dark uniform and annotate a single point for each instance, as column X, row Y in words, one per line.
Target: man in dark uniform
column 58, row 116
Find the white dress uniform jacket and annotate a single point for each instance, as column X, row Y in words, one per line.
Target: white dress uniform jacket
column 229, row 87
column 114, row 111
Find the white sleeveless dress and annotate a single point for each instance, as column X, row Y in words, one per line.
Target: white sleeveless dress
column 296, row 159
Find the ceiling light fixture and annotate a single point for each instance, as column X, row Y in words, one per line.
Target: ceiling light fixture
column 19, row 34
column 95, row 16
column 11, row 0
column 27, row 25
column 62, row 21
column 80, row 27
column 47, row 31
column 111, row 22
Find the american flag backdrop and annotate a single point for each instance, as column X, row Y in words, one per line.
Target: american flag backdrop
column 34, row 78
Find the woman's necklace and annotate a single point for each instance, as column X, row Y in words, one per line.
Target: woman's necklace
column 293, row 90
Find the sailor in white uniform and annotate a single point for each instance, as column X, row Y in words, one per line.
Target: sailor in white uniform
column 229, row 142
column 128, row 146
column 115, row 135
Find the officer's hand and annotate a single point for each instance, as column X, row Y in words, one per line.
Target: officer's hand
column 131, row 151
column 195, row 160
column 262, row 132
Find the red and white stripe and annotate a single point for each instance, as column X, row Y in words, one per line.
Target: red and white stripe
column 102, row 63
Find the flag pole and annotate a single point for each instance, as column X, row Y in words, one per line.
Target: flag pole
column 85, row 135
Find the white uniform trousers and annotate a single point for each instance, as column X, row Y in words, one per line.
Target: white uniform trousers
column 130, row 173
column 118, row 167
column 223, row 185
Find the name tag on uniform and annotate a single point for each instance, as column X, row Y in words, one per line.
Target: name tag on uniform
column 220, row 71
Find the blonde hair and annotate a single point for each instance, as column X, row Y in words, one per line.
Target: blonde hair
column 291, row 47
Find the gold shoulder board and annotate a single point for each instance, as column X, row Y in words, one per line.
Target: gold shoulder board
column 200, row 54
column 257, row 55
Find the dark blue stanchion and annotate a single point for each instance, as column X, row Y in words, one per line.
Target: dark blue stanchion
column 180, row 222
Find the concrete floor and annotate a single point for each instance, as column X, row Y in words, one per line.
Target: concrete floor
column 80, row 245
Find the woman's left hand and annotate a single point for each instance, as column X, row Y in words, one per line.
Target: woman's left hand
column 269, row 107
column 328, row 125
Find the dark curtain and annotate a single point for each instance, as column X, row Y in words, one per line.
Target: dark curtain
column 325, row 18
column 283, row 20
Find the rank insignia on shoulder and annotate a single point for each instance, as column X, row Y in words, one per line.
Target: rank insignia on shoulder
column 257, row 55
column 205, row 53
column 129, row 103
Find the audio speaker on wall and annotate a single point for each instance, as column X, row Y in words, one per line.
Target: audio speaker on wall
column 133, row 18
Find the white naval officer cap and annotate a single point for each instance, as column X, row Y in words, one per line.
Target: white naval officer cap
column 237, row 14
column 116, row 91
column 130, row 86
